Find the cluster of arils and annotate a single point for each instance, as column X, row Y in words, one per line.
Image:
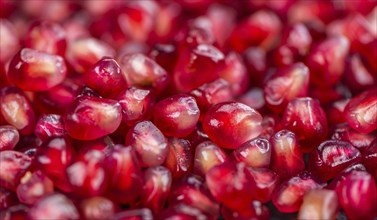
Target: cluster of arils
column 188, row 109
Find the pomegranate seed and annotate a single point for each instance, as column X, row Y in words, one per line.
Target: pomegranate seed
column 124, row 174
column 193, row 192
column 266, row 181
column 235, row 73
column 158, row 181
column 327, row 61
column 53, row 157
column 357, row 76
column 230, row 124
column 139, row 70
column 288, row 197
column 331, row 157
column 298, row 38
column 335, row 112
column 50, row 125
column 176, row 115
column 254, row 153
column 212, row 93
column 134, row 214
column 54, row 206
column 358, row 140
column 97, row 208
column 179, row 159
column 358, row 195
column 165, row 55
column 7, row 199
column 285, row 85
column 150, row 144
column 256, row 210
column 83, row 53
column 135, row 103
column 306, row 118
column 34, row 186
column 286, row 157
column 9, row 41
column 268, row 127
column 9, row 137
column 91, row 118
column 106, row 78
column 13, row 166
column 342, row 175
column 17, row 110
column 207, row 155
column 58, row 99
column 319, row 204
column 15, row 212
column 32, row 70
column 48, row 37
column 182, row 211
column 361, row 113
column 231, row 184
column 196, row 66
column 87, row 174
column 259, row 29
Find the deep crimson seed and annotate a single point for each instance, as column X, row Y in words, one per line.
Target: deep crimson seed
column 50, row 125
column 9, row 137
column 13, row 166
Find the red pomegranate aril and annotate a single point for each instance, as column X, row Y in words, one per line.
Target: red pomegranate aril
column 136, row 104
column 176, row 115
column 254, row 153
column 232, row 185
column 140, row 70
column 193, row 192
column 106, row 78
column 57, row 99
column 370, row 158
column 33, row 186
column 165, row 55
column 87, row 174
column 256, row 210
column 286, row 158
column 207, row 155
column 361, row 111
column 359, row 140
column 255, row 59
column 156, row 188
column 268, row 127
column 50, row 125
column 342, row 175
column 327, row 61
column 196, row 66
column 91, row 118
column 17, row 110
column 298, row 38
column 284, row 56
column 9, row 41
column 266, row 181
column 97, row 208
column 53, row 157
column 285, row 85
column 133, row 214
column 254, row 98
column 48, row 37
column 331, row 157
column 212, row 93
column 15, row 212
column 54, row 206
column 288, row 197
column 319, row 204
column 223, row 21
column 230, row 124
column 357, row 195
column 83, row 53
column 259, row 29
column 306, row 118
column 124, row 173
column 179, row 159
column 32, row 70
column 150, row 145
column 357, row 76
column 235, row 73
column 9, row 137
column 7, row 199
column 13, row 166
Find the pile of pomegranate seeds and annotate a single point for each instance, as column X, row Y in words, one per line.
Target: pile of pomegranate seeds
column 188, row 109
